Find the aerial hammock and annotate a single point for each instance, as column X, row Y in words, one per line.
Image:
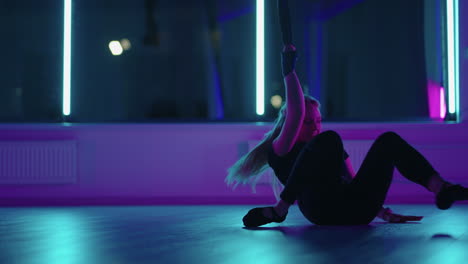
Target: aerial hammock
column 285, row 21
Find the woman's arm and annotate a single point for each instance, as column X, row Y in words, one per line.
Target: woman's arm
column 294, row 94
column 295, row 110
column 388, row 215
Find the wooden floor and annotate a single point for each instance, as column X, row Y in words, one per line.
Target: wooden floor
column 214, row 234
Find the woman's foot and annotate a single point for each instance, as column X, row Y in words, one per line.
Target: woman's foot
column 449, row 194
column 262, row 216
column 277, row 211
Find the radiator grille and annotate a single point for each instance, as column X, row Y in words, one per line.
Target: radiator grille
column 38, row 162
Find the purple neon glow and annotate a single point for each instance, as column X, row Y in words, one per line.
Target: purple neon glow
column 443, row 109
column 436, row 97
column 332, row 8
column 219, row 93
column 232, row 14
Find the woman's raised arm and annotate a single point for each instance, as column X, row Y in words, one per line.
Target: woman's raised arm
column 295, row 105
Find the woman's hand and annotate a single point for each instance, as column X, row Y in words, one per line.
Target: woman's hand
column 388, row 215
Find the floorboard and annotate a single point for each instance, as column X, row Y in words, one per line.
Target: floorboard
column 214, row 234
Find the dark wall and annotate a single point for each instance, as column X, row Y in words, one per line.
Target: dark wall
column 31, row 60
column 167, row 80
column 364, row 63
column 374, row 62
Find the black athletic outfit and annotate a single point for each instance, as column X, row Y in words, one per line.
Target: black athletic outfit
column 314, row 174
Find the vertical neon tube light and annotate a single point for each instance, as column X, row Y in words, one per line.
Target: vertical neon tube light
column 442, row 106
column 452, row 56
column 457, row 59
column 260, row 57
column 67, row 57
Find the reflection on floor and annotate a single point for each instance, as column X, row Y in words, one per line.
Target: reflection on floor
column 214, row 234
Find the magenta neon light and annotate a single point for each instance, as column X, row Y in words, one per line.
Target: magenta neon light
column 443, row 108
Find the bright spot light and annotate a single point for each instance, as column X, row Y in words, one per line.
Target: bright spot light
column 276, row 101
column 115, row 48
column 126, row 45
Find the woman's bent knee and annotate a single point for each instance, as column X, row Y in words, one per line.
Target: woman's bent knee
column 328, row 139
column 329, row 135
column 389, row 136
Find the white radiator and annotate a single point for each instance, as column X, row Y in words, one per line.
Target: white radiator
column 38, row 162
column 357, row 150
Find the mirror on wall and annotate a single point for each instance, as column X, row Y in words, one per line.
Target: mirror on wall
column 195, row 60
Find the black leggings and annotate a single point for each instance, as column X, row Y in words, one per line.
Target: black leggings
column 316, row 178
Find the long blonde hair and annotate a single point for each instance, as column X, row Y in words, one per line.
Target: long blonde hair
column 250, row 167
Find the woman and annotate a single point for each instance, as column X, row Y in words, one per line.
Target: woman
column 316, row 171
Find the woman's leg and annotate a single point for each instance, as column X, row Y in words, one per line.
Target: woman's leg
column 369, row 188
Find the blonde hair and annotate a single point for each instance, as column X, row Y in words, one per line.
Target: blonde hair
column 249, row 168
